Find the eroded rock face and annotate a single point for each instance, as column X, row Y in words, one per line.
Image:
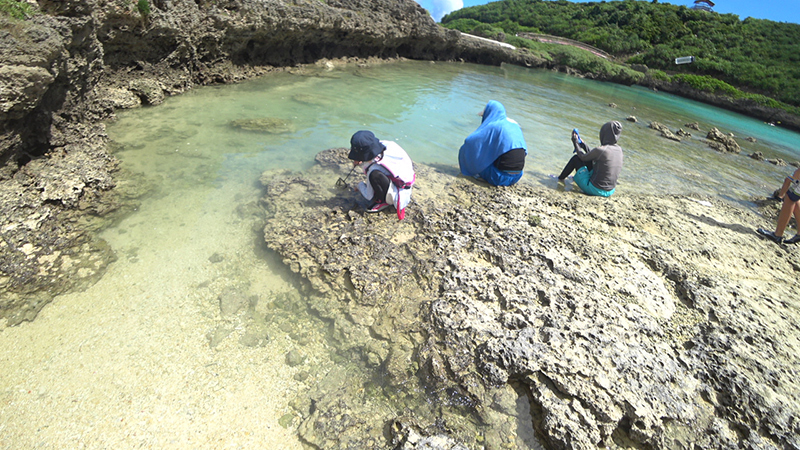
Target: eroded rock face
column 66, row 69
column 185, row 43
column 47, row 244
column 643, row 319
column 54, row 168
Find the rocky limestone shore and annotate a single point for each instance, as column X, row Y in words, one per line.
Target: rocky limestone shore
column 75, row 62
column 638, row 321
column 68, row 68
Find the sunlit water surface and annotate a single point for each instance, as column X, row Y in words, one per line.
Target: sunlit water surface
column 145, row 358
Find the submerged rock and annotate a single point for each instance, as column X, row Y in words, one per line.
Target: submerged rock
column 314, row 100
column 269, row 125
column 615, row 322
column 777, row 161
column 231, row 301
column 665, row 131
column 294, row 358
column 218, row 334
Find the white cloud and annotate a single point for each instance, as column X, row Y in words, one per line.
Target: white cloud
column 442, row 7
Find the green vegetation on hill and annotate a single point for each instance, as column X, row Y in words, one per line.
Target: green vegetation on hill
column 18, row 9
column 760, row 57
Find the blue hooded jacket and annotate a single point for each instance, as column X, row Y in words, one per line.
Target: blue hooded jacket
column 496, row 135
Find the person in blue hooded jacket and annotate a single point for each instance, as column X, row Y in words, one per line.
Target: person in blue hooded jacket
column 495, row 151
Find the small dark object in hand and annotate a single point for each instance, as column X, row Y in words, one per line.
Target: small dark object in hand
column 776, row 195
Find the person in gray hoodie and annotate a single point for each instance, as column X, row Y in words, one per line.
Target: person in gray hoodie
column 597, row 169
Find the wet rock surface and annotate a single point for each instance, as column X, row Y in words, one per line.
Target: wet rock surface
column 50, row 209
column 665, row 131
column 636, row 321
column 722, row 142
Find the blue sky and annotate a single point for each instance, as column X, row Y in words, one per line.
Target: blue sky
column 777, row 10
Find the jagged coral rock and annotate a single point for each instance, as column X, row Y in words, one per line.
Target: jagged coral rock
column 615, row 321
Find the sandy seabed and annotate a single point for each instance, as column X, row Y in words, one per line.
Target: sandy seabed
column 127, row 363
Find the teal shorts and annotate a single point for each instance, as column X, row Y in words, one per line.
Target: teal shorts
column 582, row 177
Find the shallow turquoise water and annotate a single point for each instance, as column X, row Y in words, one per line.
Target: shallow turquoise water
column 152, row 331
column 430, row 108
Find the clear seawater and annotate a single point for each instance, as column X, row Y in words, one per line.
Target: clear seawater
column 429, row 108
column 128, row 361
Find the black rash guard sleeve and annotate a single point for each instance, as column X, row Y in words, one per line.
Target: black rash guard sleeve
column 511, row 161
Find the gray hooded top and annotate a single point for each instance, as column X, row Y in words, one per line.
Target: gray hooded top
column 606, row 159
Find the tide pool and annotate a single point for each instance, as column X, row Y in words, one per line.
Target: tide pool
column 196, row 336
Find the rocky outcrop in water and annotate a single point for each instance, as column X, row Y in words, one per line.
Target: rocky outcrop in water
column 665, row 131
column 47, row 244
column 638, row 321
column 722, row 143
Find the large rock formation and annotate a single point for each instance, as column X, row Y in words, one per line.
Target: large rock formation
column 63, row 71
column 183, row 43
column 637, row 321
column 54, row 167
